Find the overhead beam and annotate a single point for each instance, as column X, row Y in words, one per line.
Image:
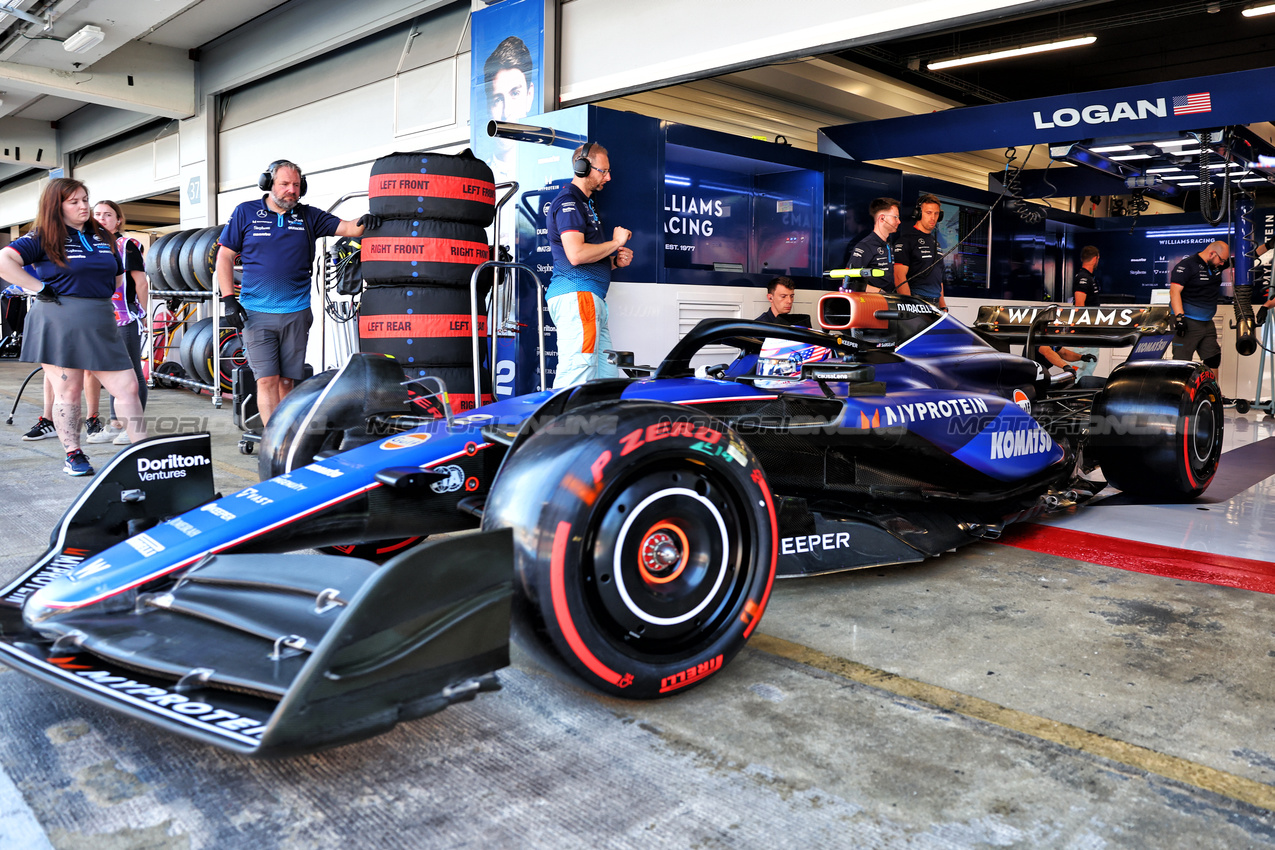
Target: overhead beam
column 140, row 77
column 1151, row 110
column 33, row 144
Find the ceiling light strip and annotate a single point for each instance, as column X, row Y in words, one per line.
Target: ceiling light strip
column 1014, row 51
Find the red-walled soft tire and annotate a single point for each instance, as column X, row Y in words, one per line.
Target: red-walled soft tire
column 1157, row 429
column 644, row 548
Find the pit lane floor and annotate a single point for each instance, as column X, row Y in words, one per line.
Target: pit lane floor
column 994, row 697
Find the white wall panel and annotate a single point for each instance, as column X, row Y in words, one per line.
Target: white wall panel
column 18, row 203
column 432, row 106
column 611, row 48
column 139, row 172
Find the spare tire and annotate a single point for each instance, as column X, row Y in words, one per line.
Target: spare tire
column 153, row 271
column 192, row 254
column 170, row 262
column 233, row 354
column 433, row 185
column 203, row 258
column 187, row 353
column 423, row 251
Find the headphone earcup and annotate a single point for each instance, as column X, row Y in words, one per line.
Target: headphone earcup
column 580, row 166
column 305, row 184
column 265, row 181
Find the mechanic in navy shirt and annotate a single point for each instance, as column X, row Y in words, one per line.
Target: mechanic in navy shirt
column 874, row 251
column 274, row 238
column 71, row 328
column 918, row 262
column 1194, row 286
column 582, row 261
column 1084, row 293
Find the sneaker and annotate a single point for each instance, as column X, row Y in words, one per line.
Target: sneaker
column 121, row 439
column 103, row 435
column 93, row 425
column 77, row 464
column 42, row 430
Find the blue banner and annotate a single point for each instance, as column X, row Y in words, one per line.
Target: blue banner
column 1151, row 110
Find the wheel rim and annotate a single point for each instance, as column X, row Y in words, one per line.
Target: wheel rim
column 1203, row 432
column 667, row 561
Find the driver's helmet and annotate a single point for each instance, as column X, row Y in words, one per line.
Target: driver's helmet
column 780, row 357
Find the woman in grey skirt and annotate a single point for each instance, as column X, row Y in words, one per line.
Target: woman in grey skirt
column 71, row 327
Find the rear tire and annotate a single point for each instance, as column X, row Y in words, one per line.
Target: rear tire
column 645, row 553
column 1157, row 429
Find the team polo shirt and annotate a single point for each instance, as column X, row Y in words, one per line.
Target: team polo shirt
column 871, row 252
column 1085, row 283
column 276, row 250
column 919, row 251
column 1201, row 285
column 571, row 210
column 91, row 264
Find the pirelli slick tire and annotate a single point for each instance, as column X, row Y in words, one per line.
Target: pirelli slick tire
column 422, row 251
column 154, row 257
column 432, row 185
column 1157, row 429
column 644, row 549
column 170, row 260
column 203, row 258
column 191, row 352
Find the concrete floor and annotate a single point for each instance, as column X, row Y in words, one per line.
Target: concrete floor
column 995, row 697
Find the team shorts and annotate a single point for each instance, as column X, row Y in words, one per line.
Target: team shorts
column 275, row 343
column 1200, row 338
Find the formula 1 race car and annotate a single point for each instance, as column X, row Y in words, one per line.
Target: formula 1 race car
column 628, row 530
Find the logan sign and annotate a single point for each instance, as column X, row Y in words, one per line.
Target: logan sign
column 1099, row 114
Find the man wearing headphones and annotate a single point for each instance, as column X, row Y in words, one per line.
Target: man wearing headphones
column 918, row 262
column 582, row 262
column 1194, row 286
column 274, row 238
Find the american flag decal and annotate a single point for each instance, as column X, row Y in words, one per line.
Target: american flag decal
column 1192, row 103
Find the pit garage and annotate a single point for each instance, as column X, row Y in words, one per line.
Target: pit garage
column 927, row 668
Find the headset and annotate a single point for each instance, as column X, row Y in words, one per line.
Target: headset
column 266, row 181
column 916, row 210
column 581, row 165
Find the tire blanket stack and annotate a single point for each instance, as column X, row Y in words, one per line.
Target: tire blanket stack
column 417, row 266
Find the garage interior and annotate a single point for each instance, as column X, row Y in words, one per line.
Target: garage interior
column 1098, row 677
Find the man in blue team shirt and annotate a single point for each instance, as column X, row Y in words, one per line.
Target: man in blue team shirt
column 275, row 239
column 582, row 263
column 1194, row 285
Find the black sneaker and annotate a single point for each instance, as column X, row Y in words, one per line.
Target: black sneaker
column 77, row 464
column 42, row 430
column 93, row 425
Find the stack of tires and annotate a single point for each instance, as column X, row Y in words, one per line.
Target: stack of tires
column 417, row 267
column 186, row 261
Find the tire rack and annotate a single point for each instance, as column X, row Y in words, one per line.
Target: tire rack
column 504, row 304
column 497, row 283
column 188, row 382
column 319, row 277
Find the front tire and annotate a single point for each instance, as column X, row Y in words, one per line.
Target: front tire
column 1157, row 429
column 644, row 547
